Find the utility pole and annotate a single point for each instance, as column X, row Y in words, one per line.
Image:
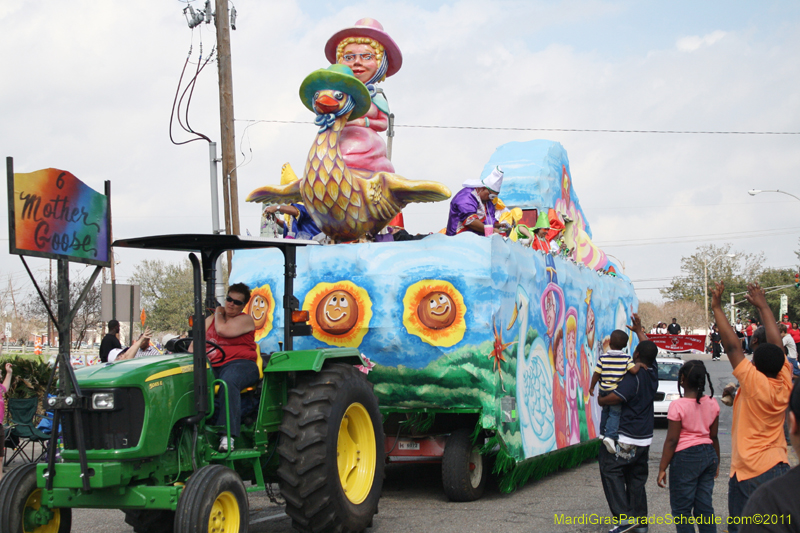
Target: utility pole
column 230, row 188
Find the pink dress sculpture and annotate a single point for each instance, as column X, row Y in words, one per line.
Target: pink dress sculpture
column 372, row 56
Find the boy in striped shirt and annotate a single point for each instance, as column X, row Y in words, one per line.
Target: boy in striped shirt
column 610, row 368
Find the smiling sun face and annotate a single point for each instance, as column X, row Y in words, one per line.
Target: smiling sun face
column 339, row 313
column 434, row 310
column 261, row 307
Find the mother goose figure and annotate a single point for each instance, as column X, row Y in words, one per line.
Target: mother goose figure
column 345, row 203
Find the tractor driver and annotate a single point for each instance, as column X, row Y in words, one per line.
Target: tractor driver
column 234, row 330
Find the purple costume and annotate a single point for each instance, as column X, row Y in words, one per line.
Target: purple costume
column 465, row 208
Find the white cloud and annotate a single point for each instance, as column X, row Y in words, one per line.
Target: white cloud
column 92, row 94
column 695, row 42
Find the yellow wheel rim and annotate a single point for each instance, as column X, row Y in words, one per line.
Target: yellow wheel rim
column 225, row 515
column 355, row 453
column 34, row 502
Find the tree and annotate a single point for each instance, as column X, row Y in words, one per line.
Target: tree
column 735, row 272
column 86, row 319
column 689, row 314
column 167, row 293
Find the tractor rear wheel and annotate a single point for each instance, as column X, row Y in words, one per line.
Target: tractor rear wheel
column 464, row 473
column 20, row 502
column 214, row 499
column 331, row 451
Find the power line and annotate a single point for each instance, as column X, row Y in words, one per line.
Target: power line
column 569, row 130
column 699, row 238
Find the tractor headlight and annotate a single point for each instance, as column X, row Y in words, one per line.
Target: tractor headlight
column 669, row 397
column 103, row 400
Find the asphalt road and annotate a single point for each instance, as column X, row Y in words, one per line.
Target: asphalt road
column 413, row 501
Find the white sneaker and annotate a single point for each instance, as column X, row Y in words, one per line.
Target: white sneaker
column 224, row 444
column 610, row 445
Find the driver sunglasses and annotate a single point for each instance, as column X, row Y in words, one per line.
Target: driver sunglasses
column 233, row 301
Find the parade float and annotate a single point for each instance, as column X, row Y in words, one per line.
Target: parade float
column 477, row 346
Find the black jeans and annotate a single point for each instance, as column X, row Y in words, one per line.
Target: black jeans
column 624, row 482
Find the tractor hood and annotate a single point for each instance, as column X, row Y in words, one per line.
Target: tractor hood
column 134, row 372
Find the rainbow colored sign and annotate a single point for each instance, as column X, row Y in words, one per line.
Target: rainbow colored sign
column 53, row 214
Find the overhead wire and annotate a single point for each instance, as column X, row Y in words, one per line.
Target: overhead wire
column 178, row 102
column 570, row 130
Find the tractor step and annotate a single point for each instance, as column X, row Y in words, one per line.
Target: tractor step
column 237, row 455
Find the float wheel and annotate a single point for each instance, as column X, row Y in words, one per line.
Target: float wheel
column 464, row 471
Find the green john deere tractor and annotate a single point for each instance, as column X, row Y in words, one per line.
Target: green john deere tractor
column 137, row 433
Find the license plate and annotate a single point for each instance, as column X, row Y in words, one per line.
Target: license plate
column 407, row 445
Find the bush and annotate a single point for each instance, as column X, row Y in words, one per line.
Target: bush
column 30, row 377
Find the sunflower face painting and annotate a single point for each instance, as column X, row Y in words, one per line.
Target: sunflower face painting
column 434, row 310
column 339, row 313
column 262, row 308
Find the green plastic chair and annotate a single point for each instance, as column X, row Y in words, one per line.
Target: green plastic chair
column 23, row 430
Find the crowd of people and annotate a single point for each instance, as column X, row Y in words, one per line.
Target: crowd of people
column 759, row 481
column 663, row 329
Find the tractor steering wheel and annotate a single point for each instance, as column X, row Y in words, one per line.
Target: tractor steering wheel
column 182, row 346
column 218, row 347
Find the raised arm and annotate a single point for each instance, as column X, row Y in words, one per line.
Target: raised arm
column 636, row 327
column 732, row 343
column 232, row 327
column 755, row 295
column 9, row 373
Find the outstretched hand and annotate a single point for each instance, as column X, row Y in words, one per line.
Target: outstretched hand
column 755, row 295
column 636, row 323
column 716, row 295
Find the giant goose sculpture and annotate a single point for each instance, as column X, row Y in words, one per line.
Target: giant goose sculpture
column 345, row 203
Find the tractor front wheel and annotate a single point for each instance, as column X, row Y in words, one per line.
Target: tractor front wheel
column 20, row 505
column 464, row 473
column 331, row 451
column 214, row 499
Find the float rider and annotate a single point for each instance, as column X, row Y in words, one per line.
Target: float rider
column 472, row 208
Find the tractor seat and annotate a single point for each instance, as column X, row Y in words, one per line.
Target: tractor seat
column 261, row 362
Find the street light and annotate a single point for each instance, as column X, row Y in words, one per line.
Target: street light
column 621, row 262
column 753, row 192
column 705, row 280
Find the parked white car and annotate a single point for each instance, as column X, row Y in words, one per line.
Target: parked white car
column 668, row 368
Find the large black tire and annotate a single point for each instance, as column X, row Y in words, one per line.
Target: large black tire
column 464, row 471
column 331, row 451
column 18, row 492
column 150, row 520
column 214, row 499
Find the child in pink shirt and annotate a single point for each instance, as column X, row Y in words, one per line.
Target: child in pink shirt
column 3, row 390
column 691, row 449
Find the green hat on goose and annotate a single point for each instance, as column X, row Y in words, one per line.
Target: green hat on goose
column 336, row 78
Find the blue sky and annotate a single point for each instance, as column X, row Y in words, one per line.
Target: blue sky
column 94, row 85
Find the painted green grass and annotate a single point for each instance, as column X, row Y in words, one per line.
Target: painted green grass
column 466, row 379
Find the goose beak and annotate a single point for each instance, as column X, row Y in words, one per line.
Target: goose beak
column 326, row 104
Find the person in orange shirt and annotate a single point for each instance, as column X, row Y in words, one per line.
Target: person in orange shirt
column 758, row 452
